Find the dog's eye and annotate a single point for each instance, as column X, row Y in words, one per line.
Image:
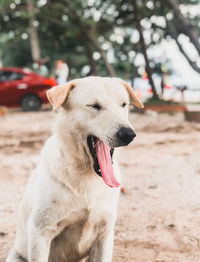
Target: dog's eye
column 96, row 106
column 124, row 104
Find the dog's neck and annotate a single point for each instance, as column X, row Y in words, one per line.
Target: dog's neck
column 74, row 155
column 72, row 151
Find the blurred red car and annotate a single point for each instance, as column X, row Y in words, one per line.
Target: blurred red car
column 21, row 87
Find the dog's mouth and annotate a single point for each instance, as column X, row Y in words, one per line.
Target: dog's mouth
column 102, row 160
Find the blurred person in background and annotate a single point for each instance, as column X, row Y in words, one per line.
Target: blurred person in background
column 162, row 86
column 182, row 89
column 61, row 72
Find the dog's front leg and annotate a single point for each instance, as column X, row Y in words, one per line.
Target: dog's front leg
column 102, row 249
column 38, row 244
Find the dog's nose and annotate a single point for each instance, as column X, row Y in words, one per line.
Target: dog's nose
column 125, row 135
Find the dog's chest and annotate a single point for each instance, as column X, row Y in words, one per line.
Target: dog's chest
column 77, row 238
column 88, row 217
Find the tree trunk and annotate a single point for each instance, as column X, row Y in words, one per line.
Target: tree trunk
column 185, row 24
column 91, row 39
column 143, row 48
column 133, row 71
column 97, row 46
column 172, row 31
column 91, row 60
column 103, row 56
column 35, row 49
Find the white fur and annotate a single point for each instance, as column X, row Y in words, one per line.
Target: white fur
column 68, row 213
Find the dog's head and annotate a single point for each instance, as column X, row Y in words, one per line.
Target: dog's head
column 96, row 112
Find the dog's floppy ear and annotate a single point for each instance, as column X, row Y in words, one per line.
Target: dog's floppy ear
column 133, row 96
column 58, row 94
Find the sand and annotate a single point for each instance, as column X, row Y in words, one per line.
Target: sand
column 159, row 209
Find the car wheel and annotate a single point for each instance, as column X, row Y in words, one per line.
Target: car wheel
column 30, row 103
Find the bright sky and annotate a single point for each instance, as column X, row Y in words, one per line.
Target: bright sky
column 184, row 72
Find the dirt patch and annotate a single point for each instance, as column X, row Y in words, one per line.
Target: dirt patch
column 166, row 108
column 159, row 210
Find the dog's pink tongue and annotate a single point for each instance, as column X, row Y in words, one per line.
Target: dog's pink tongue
column 105, row 164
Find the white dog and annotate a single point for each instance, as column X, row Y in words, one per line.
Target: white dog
column 69, row 209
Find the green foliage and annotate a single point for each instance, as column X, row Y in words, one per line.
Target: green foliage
column 61, row 27
column 16, row 53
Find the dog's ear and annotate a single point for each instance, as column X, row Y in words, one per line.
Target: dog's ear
column 58, row 94
column 133, row 96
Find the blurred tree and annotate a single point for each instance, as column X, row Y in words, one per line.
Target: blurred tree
column 93, row 37
column 143, row 48
column 34, row 41
column 186, row 25
column 171, row 30
column 178, row 24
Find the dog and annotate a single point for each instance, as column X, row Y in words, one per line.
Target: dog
column 69, row 209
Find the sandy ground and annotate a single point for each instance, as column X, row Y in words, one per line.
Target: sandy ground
column 159, row 211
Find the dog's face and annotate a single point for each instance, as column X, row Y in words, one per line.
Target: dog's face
column 96, row 111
